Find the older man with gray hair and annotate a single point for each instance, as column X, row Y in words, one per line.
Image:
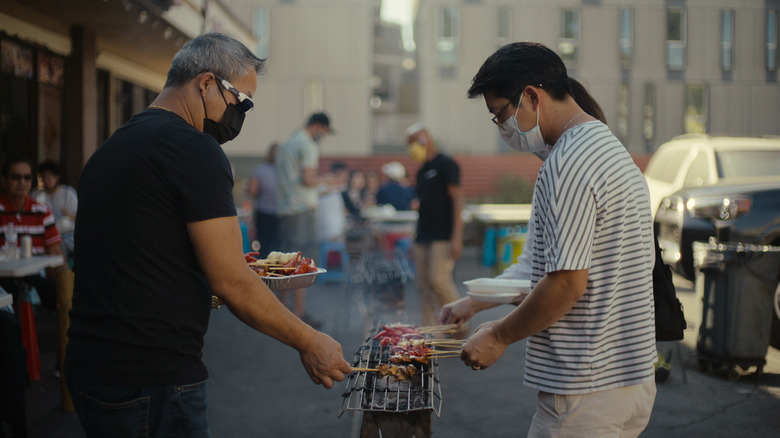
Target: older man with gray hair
column 156, row 236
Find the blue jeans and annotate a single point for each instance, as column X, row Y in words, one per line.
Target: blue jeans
column 139, row 412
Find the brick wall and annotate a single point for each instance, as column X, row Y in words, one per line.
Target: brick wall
column 479, row 173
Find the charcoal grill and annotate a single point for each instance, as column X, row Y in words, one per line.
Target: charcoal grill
column 391, row 407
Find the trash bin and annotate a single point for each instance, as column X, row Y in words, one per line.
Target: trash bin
column 736, row 284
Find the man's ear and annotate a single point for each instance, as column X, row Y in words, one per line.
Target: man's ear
column 205, row 80
column 533, row 94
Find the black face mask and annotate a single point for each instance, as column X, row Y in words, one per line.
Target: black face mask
column 226, row 129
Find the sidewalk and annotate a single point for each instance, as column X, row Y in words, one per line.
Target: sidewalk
column 257, row 387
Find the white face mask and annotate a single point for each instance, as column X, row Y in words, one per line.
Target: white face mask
column 529, row 141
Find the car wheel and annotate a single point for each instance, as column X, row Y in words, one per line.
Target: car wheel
column 774, row 338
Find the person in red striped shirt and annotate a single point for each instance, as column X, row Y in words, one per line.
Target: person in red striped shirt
column 21, row 215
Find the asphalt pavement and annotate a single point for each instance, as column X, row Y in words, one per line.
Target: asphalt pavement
column 258, row 388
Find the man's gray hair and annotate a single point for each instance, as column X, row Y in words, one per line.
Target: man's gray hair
column 215, row 53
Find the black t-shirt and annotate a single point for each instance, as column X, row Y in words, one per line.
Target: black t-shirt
column 433, row 179
column 141, row 302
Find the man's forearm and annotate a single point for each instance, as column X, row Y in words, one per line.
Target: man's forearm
column 258, row 307
column 551, row 299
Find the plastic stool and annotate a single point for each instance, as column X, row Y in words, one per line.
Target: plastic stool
column 327, row 249
column 30, row 339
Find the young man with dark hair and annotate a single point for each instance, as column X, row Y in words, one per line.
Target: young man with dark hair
column 589, row 318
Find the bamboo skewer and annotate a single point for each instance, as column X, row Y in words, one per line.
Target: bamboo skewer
column 354, row 369
column 448, row 328
column 443, row 352
column 445, row 356
column 446, row 342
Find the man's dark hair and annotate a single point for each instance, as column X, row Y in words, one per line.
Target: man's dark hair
column 50, row 166
column 514, row 66
column 320, row 118
column 215, row 53
column 586, row 101
column 14, row 160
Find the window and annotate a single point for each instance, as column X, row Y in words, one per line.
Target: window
column 699, row 172
column 727, row 39
column 675, row 38
column 771, row 40
column 747, row 163
column 668, row 164
column 261, row 30
column 312, row 95
column 570, row 34
column 696, row 103
column 648, row 116
column 447, row 36
column 504, row 25
column 623, row 116
column 626, row 37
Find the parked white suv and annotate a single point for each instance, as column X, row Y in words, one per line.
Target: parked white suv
column 694, row 160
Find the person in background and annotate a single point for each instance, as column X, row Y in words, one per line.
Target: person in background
column 592, row 365
column 145, row 276
column 439, row 238
column 372, row 187
column 355, row 194
column 331, row 212
column 262, row 191
column 297, row 161
column 21, row 215
column 396, row 191
column 61, row 200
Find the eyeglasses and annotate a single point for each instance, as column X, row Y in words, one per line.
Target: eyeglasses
column 501, row 111
column 18, row 177
column 245, row 103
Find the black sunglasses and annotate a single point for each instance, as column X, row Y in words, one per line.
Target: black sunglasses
column 18, row 177
column 245, row 103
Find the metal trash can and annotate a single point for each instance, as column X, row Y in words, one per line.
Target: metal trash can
column 736, row 284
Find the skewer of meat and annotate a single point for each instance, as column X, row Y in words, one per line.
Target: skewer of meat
column 399, row 372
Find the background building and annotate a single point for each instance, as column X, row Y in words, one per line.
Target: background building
column 659, row 68
column 74, row 71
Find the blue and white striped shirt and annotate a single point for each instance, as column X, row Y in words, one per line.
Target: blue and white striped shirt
column 592, row 211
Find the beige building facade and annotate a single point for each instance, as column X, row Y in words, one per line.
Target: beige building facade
column 658, row 68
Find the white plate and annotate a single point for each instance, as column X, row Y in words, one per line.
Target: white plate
column 496, row 290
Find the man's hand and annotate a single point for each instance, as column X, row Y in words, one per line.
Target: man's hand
column 457, row 247
column 484, row 347
column 324, row 361
column 461, row 311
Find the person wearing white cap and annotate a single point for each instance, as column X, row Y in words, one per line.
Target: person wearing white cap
column 396, row 191
column 439, row 238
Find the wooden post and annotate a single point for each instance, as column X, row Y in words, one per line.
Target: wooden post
column 396, row 424
column 64, row 279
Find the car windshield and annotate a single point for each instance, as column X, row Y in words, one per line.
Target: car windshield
column 735, row 164
column 666, row 167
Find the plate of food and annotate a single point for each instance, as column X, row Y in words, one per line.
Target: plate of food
column 284, row 271
column 497, row 290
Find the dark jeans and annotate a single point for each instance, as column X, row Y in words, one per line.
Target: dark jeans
column 158, row 411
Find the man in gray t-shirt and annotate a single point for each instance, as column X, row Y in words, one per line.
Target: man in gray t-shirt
column 296, row 180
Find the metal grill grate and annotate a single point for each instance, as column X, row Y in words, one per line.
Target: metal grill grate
column 368, row 391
